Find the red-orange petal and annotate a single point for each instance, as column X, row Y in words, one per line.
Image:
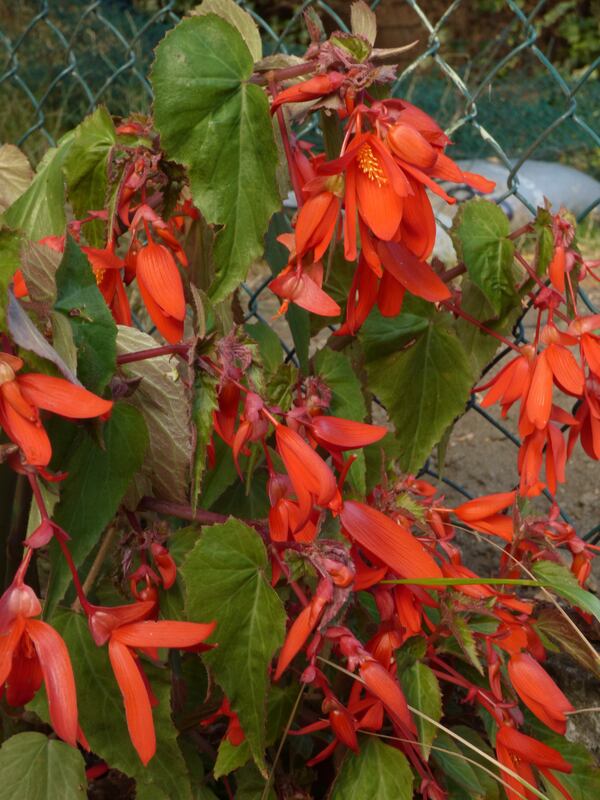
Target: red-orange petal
column 379, row 205
column 410, row 145
column 166, row 633
column 305, row 467
column 381, row 684
column 58, row 677
column 556, row 268
column 138, row 710
column 346, row 434
column 539, row 397
column 539, row 692
column 415, row 275
column 169, row 327
column 393, row 544
column 484, row 506
column 297, row 635
column 62, row 397
column 157, row 270
column 567, row 372
column 531, row 750
column 29, row 436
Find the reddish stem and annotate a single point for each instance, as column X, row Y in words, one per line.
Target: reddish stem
column 284, row 74
column 287, row 147
column 459, row 312
column 154, row 352
column 286, row 571
column 181, row 510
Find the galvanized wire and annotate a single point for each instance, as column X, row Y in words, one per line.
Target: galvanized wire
column 62, row 59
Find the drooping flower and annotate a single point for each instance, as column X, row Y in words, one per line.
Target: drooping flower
column 161, row 289
column 539, row 692
column 313, row 481
column 302, row 286
column 23, row 396
column 32, row 652
column 519, row 753
column 483, row 514
column 126, row 629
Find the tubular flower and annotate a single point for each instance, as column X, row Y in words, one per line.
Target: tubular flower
column 31, row 652
column 125, row 630
column 302, row 286
column 22, row 397
column 539, row 692
column 161, row 289
column 313, row 481
column 483, row 514
column 303, row 626
column 519, row 753
column 311, row 89
column 390, row 542
column 107, row 268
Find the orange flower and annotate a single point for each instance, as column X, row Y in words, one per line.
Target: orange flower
column 483, row 514
column 303, row 626
column 161, row 288
column 31, row 652
column 302, row 286
column 539, row 692
column 391, row 543
column 125, row 630
column 22, row 397
column 313, row 481
column 519, row 752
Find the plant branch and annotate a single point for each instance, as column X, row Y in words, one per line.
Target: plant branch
column 181, row 510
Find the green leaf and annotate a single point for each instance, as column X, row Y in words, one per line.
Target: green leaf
column 422, row 691
column 378, row 771
column 164, row 402
column 299, row 321
column 453, row 764
column 550, row 622
column 102, row 717
column 230, row 757
column 97, row 480
column 227, row 579
column 269, row 345
column 94, row 330
column 236, row 16
column 10, row 242
column 583, row 783
column 86, row 170
column 466, row 641
column 204, row 403
column 217, row 124
column 34, row 767
column 251, row 785
column 423, row 389
column 479, row 346
column 558, row 578
column 381, row 336
column 40, row 211
column 482, row 232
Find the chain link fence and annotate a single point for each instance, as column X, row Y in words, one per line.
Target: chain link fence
column 483, row 68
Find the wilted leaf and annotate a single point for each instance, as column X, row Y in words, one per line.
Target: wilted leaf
column 164, row 402
column 15, row 174
column 39, row 264
column 363, row 21
column 26, row 335
column 40, row 211
column 551, row 622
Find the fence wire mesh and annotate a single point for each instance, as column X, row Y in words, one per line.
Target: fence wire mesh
column 483, row 68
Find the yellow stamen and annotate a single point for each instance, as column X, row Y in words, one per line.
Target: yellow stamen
column 99, row 273
column 369, row 164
